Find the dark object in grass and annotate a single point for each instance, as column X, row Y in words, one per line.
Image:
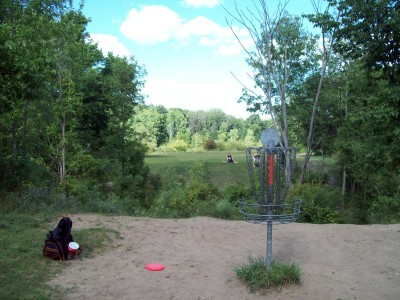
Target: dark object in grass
column 62, row 230
column 229, row 158
column 57, row 240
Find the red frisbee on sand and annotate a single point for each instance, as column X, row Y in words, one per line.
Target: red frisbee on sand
column 155, row 267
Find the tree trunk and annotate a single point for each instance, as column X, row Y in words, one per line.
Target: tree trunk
column 25, row 126
column 343, row 184
column 325, row 55
column 123, row 158
column 14, row 138
column 62, row 163
column 312, row 120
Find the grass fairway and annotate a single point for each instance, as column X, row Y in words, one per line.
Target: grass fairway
column 225, row 174
column 222, row 174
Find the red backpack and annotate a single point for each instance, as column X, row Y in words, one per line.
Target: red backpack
column 57, row 240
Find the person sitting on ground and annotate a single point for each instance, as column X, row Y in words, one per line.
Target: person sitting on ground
column 229, row 159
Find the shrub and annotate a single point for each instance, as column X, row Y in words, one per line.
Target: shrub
column 210, row 145
column 84, row 165
column 237, row 145
column 86, row 193
column 385, row 210
column 224, row 209
column 316, row 178
column 33, row 199
column 318, row 215
column 221, row 146
column 200, row 186
column 185, row 198
column 173, row 203
column 169, row 196
column 110, row 204
column 178, row 145
column 152, row 188
column 316, row 195
column 20, row 172
column 173, row 146
column 131, row 191
column 201, row 191
column 387, row 183
column 200, row 171
column 320, row 203
column 235, row 192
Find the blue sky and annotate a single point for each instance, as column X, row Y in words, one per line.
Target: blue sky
column 186, row 47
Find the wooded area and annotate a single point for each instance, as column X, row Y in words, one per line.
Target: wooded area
column 72, row 119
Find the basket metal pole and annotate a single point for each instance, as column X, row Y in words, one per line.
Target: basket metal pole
column 268, row 261
column 270, row 198
column 269, row 193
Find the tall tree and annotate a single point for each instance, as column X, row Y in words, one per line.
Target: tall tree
column 176, row 122
column 368, row 34
column 148, row 123
column 281, row 60
column 322, row 20
column 96, row 107
column 370, row 30
column 30, row 31
column 215, row 118
column 123, row 84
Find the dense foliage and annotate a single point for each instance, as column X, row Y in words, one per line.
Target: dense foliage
column 64, row 106
column 74, row 129
column 175, row 129
column 357, row 119
column 366, row 130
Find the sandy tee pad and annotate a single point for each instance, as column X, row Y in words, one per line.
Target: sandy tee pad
column 337, row 261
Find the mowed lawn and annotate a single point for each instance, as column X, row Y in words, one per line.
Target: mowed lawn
column 222, row 174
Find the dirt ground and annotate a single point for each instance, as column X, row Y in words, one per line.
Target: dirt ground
column 200, row 254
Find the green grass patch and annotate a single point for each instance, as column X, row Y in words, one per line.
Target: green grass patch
column 257, row 277
column 24, row 270
column 222, row 174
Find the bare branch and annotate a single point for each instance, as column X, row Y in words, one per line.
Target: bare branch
column 243, row 85
column 262, row 26
column 325, row 59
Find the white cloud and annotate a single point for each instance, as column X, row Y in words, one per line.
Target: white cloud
column 191, row 95
column 110, row 43
column 200, row 3
column 152, row 24
column 228, row 50
column 198, row 26
column 157, row 23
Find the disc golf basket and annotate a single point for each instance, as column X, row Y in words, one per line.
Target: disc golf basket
column 270, row 171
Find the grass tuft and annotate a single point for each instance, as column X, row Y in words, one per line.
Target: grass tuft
column 258, row 277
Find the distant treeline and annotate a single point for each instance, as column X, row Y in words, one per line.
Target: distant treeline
column 162, row 129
